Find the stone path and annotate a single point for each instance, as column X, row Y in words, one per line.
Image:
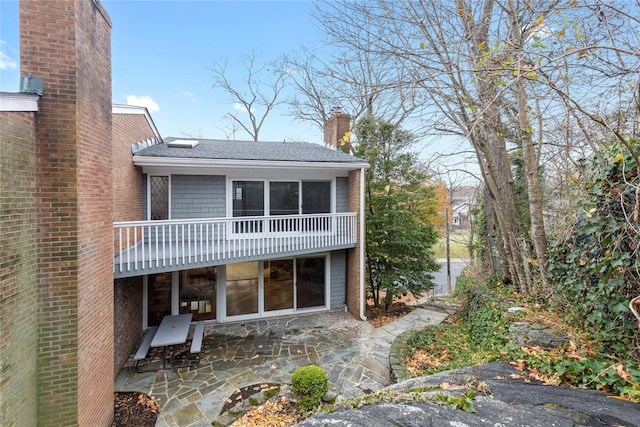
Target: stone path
column 354, row 354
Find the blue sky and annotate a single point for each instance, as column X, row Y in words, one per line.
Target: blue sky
column 161, row 51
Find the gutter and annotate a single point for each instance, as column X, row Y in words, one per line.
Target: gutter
column 199, row 163
column 363, row 294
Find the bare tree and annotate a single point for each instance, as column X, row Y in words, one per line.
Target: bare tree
column 361, row 84
column 493, row 72
column 256, row 97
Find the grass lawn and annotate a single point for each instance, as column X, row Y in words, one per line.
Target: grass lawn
column 458, row 242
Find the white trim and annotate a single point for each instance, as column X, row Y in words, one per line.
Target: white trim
column 19, row 102
column 134, row 109
column 191, row 163
column 362, row 248
column 145, row 301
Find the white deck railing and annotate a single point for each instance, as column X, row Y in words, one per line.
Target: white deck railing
column 154, row 245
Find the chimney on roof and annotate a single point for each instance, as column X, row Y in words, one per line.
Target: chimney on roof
column 337, row 131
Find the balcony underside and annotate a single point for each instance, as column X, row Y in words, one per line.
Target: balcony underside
column 148, row 259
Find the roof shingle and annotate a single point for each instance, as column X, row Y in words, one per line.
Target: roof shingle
column 249, row 150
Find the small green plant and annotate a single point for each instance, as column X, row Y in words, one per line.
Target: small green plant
column 310, row 383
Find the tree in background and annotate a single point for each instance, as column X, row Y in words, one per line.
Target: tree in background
column 400, row 204
column 256, row 97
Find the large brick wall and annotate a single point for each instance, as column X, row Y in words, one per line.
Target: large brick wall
column 128, row 205
column 68, row 43
column 128, row 202
column 354, row 295
column 95, row 183
column 18, row 272
column 128, row 319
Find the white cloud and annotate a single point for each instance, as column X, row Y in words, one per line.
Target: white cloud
column 190, row 96
column 143, row 101
column 241, row 108
column 6, row 62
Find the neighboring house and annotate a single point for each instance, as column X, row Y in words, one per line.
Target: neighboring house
column 238, row 230
column 463, row 200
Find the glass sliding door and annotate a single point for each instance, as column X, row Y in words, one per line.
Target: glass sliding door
column 242, row 287
column 310, row 282
column 198, row 292
column 159, row 297
column 248, row 200
column 278, row 285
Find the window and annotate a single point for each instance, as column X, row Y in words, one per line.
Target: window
column 248, row 200
column 316, row 197
column 159, row 195
column 284, row 198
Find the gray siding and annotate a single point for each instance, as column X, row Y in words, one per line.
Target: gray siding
column 342, row 194
column 338, row 279
column 194, row 196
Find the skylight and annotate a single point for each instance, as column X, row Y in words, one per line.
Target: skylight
column 183, row 143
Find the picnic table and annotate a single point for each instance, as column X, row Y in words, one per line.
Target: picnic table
column 173, row 330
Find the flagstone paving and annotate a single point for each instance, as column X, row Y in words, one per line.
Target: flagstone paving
column 354, row 354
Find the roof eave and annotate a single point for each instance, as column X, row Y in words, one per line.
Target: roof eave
column 196, row 163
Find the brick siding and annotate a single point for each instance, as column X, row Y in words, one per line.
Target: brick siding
column 128, row 205
column 128, row 197
column 18, row 271
column 354, row 296
column 68, row 43
column 128, row 319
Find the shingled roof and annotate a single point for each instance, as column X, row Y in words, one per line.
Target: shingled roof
column 248, row 150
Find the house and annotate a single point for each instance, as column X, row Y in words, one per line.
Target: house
column 105, row 226
column 239, row 230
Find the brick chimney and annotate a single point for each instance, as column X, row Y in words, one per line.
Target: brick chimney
column 67, row 43
column 336, row 129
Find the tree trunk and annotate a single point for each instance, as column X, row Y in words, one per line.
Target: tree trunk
column 531, row 164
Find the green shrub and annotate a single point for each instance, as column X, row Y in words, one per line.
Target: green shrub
column 593, row 257
column 310, row 383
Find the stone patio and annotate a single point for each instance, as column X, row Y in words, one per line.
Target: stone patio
column 354, row 354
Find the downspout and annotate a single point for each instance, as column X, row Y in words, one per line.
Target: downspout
column 363, row 298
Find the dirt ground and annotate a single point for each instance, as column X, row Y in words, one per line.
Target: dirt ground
column 134, row 409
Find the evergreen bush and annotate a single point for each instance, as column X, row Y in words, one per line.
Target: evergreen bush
column 310, row 383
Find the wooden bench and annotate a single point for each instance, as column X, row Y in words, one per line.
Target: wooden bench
column 141, row 354
column 196, row 341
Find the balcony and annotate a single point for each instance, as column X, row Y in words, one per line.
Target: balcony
column 147, row 247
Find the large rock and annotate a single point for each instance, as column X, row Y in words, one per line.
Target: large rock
column 513, row 402
column 528, row 334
